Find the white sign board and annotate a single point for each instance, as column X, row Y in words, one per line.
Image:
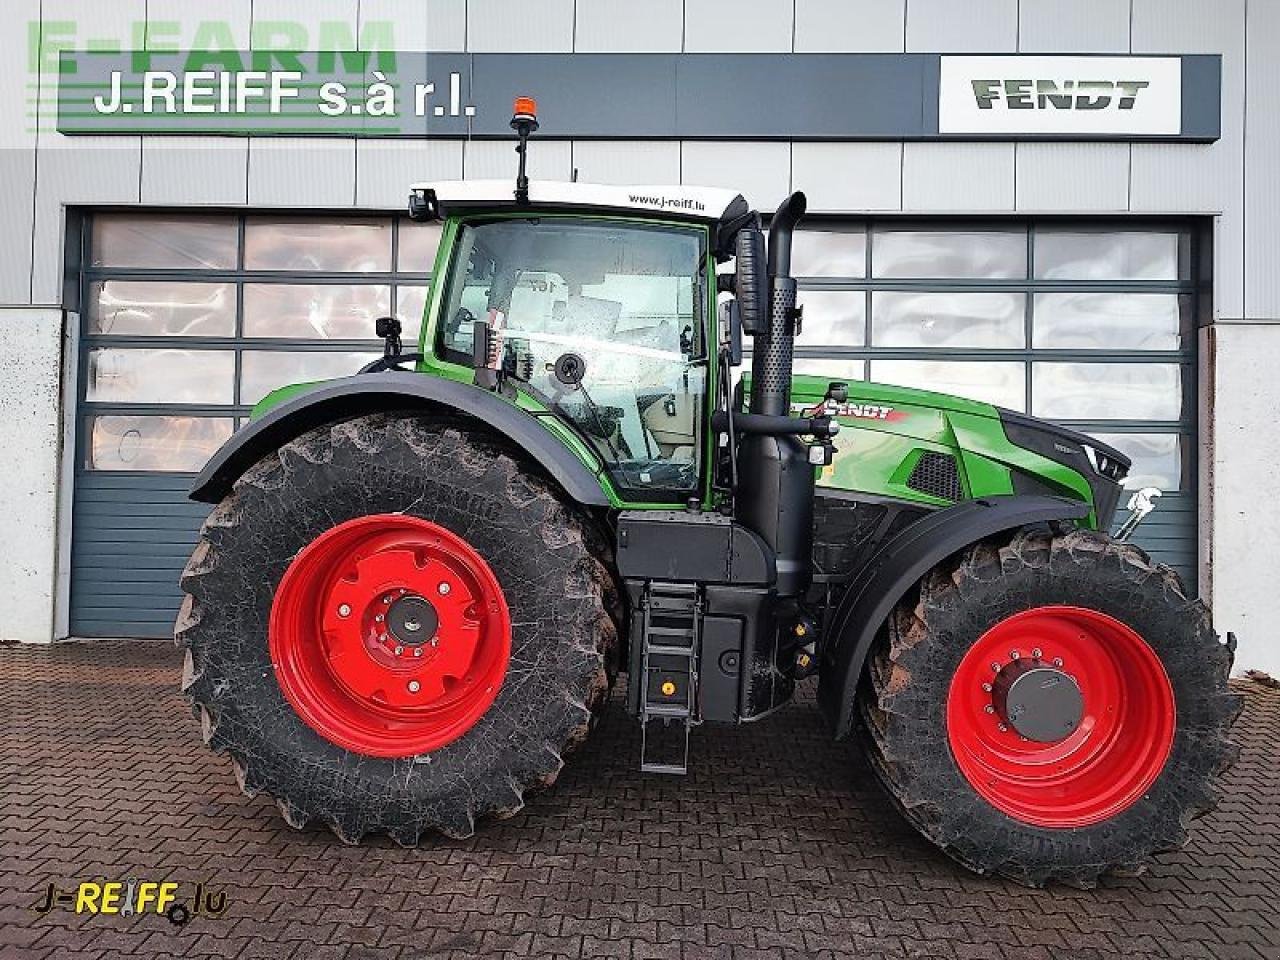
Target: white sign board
column 1089, row 96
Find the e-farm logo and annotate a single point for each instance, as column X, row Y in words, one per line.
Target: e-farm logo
column 66, row 78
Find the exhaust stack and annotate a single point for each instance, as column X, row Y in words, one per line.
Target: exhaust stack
column 771, row 360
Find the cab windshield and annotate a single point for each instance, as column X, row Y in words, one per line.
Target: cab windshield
column 602, row 322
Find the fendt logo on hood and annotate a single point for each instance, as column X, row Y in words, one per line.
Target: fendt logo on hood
column 1057, row 94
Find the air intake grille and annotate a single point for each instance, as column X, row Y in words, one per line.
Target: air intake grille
column 936, row 474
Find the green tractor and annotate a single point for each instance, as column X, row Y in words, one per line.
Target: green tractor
column 419, row 583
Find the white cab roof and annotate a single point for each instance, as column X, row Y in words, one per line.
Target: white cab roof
column 700, row 203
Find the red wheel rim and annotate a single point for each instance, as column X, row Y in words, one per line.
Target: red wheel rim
column 1111, row 756
column 389, row 635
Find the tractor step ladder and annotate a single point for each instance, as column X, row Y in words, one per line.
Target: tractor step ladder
column 671, row 620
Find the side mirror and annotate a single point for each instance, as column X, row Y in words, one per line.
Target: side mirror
column 751, row 282
column 731, row 331
column 388, row 329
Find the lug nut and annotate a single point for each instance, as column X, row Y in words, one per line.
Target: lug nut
column 443, row 589
column 1002, row 728
column 1013, row 654
column 403, row 591
column 995, row 667
column 1036, row 653
column 989, row 708
column 417, row 651
column 386, row 599
column 414, row 686
column 399, row 651
column 344, row 610
column 435, row 641
column 986, row 688
column 1057, row 661
column 379, row 618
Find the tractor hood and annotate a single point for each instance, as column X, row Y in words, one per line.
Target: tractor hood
column 936, row 449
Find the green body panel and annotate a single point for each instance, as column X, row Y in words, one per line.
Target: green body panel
column 884, row 429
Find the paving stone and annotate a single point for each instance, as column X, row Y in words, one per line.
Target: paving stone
column 778, row 844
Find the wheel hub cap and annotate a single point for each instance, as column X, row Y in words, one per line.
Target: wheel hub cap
column 1060, row 716
column 1039, row 701
column 366, row 659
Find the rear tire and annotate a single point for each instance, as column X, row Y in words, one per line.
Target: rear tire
column 1106, row 797
column 440, row 502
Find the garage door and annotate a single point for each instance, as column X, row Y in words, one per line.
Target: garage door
column 1090, row 325
column 186, row 322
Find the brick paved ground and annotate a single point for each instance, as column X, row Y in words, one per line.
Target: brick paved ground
column 777, row 845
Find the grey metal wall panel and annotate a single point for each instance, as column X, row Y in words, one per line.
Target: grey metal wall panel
column 624, row 26
column 293, row 171
column 760, row 171
column 1262, row 166
column 1082, row 26
column 328, row 24
column 957, row 176
column 17, row 156
column 1069, row 177
column 131, row 538
column 737, row 26
column 1207, row 178
column 69, row 171
column 840, row 177
column 550, row 160
column 409, row 22
column 195, row 170
column 849, row 26
column 976, row 26
column 194, row 33
column 385, row 168
column 532, row 25
column 627, row 161
column 18, row 173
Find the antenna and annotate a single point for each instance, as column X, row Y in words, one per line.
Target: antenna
column 524, row 120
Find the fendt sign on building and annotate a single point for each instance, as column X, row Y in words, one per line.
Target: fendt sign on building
column 1086, row 96
column 795, row 97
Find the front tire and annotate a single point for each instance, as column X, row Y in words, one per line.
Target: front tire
column 394, row 626
column 1103, row 754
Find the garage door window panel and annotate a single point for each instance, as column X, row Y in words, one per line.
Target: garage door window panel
column 1107, row 391
column 117, row 375
column 417, row 246
column 925, row 254
column 163, row 308
column 1158, row 459
column 1110, row 255
column 265, row 370
column 998, row 382
column 314, row 311
column 948, row 320
column 829, row 253
column 1113, row 320
column 833, row 318
column 181, row 444
column 163, row 242
column 310, row 245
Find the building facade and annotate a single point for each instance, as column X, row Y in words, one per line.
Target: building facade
column 154, row 286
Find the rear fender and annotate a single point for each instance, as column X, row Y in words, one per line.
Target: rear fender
column 897, row 566
column 355, row 396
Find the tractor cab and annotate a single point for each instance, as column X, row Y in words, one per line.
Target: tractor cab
column 593, row 303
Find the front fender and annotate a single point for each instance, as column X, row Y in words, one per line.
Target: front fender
column 897, row 567
column 371, row 393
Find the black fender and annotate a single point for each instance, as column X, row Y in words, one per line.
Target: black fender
column 355, row 396
column 897, row 566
